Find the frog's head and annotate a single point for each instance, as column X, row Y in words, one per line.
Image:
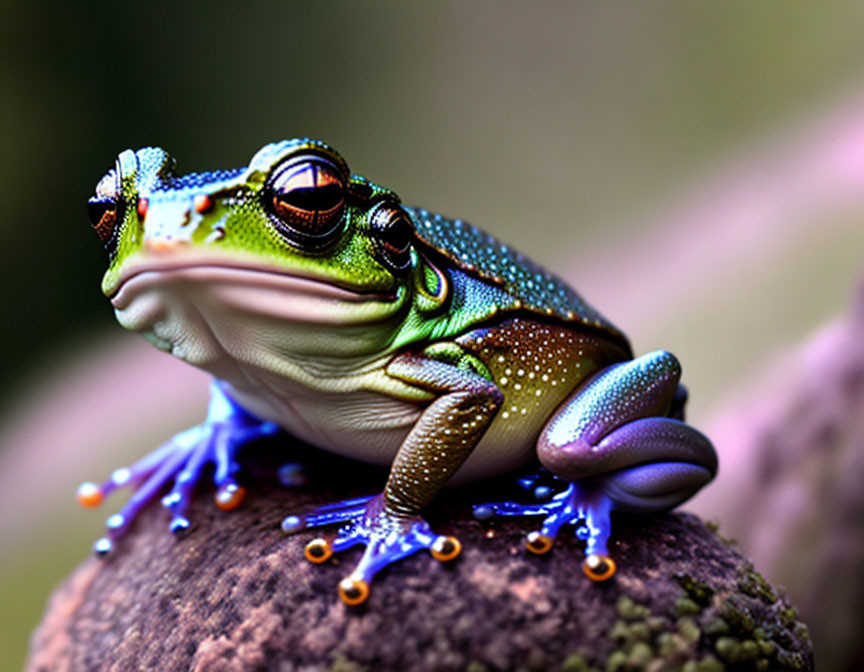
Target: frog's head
column 293, row 222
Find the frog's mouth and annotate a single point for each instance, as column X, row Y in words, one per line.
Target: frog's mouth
column 242, row 274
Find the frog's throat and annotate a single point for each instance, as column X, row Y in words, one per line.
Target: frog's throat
column 211, row 315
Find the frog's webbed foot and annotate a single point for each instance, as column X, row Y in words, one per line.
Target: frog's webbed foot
column 387, row 536
column 183, row 459
column 583, row 505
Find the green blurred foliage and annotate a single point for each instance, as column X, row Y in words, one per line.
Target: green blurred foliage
column 564, row 117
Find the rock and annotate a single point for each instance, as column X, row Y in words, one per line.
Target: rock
column 235, row 593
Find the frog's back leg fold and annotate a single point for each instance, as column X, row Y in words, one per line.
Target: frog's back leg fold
column 620, row 419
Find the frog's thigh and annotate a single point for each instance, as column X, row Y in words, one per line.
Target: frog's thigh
column 616, row 428
column 445, row 434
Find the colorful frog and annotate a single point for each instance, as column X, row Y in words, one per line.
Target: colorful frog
column 324, row 307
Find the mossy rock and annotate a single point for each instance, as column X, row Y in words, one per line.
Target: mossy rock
column 235, row 593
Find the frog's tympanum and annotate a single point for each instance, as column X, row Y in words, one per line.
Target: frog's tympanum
column 325, row 308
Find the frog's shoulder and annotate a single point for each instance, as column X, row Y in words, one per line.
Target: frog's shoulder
column 479, row 254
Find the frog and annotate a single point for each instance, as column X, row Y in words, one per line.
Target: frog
column 327, row 310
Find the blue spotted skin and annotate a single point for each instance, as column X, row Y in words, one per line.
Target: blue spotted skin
column 416, row 337
column 537, row 290
column 618, row 395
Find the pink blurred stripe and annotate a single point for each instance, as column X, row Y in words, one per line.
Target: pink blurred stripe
column 116, row 392
column 763, row 199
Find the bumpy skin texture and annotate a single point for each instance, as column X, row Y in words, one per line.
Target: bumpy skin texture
column 476, row 252
column 323, row 306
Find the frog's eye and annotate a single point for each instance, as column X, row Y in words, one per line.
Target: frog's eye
column 104, row 214
column 393, row 233
column 307, row 197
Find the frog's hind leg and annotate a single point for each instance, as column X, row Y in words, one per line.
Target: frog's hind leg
column 617, row 442
column 183, row 459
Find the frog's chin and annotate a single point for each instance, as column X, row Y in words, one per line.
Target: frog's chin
column 209, row 314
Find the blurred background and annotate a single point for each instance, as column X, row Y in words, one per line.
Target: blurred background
column 696, row 170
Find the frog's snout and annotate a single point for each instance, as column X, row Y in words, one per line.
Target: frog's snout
column 169, row 222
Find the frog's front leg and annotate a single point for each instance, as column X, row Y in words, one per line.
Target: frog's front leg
column 389, row 524
column 618, row 443
column 183, row 459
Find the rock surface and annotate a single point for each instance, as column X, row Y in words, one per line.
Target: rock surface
column 236, row 594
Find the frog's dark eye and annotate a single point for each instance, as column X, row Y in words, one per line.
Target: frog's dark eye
column 393, row 233
column 307, row 196
column 104, row 214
